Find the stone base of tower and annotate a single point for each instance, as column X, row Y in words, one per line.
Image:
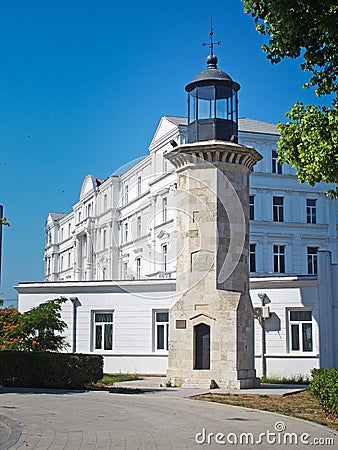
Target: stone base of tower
column 230, row 381
column 211, row 341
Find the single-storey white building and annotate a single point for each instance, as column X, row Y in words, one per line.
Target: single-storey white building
column 127, row 321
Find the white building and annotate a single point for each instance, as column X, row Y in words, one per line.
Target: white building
column 124, row 227
column 114, row 255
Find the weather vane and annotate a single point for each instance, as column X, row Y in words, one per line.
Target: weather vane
column 212, row 43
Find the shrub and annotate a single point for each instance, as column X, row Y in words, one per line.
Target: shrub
column 324, row 386
column 33, row 330
column 49, row 370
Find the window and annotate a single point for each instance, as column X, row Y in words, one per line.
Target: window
column 165, row 257
column 279, row 258
column 69, row 230
column 79, row 216
column 252, row 258
column 69, row 260
column 252, row 207
column 138, row 268
column 311, row 210
column 103, row 331
column 164, row 209
column 105, row 202
column 126, row 194
column 125, row 232
column 300, row 331
column 49, row 237
column 125, row 271
column 312, row 260
column 48, row 266
column 61, row 234
column 139, row 226
column 278, row 209
column 161, row 330
column 104, row 240
column 89, row 210
column 139, row 181
column 165, row 165
column 61, row 264
column 276, row 167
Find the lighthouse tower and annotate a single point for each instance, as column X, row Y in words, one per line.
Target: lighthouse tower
column 211, row 319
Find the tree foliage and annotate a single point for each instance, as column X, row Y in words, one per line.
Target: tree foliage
column 33, row 330
column 307, row 29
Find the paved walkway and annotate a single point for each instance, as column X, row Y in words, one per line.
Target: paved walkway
column 157, row 384
column 155, row 419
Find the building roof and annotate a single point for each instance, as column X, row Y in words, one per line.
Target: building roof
column 244, row 124
column 177, row 120
column 57, row 216
column 256, row 126
column 127, row 166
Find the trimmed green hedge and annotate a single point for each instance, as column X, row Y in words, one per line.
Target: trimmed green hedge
column 324, row 386
column 49, row 370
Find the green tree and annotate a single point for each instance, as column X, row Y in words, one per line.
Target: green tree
column 305, row 29
column 33, row 330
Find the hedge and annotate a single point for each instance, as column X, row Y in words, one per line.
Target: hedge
column 49, row 370
column 324, row 386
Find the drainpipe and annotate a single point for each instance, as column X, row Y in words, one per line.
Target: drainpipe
column 262, row 323
column 76, row 303
column 263, row 348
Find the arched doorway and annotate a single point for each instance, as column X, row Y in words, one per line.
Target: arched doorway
column 202, row 346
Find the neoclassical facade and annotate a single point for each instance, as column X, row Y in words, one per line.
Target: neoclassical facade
column 124, row 227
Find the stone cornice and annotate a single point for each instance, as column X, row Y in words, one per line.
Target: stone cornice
column 212, row 152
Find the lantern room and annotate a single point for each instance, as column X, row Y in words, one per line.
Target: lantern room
column 212, row 105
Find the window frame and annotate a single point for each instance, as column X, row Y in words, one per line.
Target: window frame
column 312, row 260
column 281, row 258
column 311, row 211
column 93, row 331
column 275, row 166
column 252, row 207
column 278, row 209
column 165, row 325
column 138, row 267
column 164, row 209
column 164, row 248
column 125, row 232
column 139, row 226
column 254, row 254
column 300, row 333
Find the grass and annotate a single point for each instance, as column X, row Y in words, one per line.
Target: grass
column 284, row 380
column 302, row 405
column 110, row 378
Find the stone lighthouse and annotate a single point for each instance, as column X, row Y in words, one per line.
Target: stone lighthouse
column 211, row 319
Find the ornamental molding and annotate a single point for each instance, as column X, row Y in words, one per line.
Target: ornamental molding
column 213, row 153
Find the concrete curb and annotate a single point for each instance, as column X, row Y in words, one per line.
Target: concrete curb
column 16, row 430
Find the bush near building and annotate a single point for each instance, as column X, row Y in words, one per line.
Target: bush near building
column 49, row 370
column 324, row 386
column 33, row 330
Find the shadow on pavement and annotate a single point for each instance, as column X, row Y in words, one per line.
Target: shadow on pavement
column 17, row 390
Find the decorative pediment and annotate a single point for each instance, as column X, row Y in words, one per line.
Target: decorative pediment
column 165, row 127
column 89, row 184
column 202, row 316
column 163, row 234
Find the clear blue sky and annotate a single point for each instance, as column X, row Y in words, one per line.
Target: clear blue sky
column 83, row 84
